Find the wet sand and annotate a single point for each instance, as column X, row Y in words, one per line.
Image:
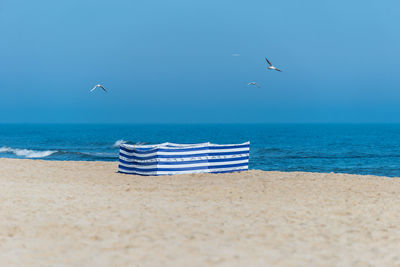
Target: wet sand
column 57, row 213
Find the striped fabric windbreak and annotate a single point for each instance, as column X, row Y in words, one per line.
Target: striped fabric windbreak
column 170, row 158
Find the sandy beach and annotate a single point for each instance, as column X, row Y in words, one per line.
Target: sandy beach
column 67, row 213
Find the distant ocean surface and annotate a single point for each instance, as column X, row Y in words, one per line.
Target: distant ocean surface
column 343, row 148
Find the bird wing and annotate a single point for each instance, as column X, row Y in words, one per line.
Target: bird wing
column 102, row 87
column 268, row 62
column 278, row 69
column 258, row 86
column 93, row 88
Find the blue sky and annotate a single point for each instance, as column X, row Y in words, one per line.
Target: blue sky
column 171, row 61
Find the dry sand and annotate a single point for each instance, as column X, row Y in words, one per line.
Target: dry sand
column 85, row 214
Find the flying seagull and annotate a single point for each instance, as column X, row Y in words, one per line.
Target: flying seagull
column 254, row 83
column 98, row 85
column 271, row 67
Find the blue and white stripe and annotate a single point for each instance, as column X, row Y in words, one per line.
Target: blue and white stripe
column 170, row 158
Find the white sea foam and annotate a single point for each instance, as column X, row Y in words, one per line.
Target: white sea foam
column 119, row 142
column 27, row 153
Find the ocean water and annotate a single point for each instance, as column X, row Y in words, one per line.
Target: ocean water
column 343, row 148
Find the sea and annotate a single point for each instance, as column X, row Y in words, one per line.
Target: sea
column 340, row 148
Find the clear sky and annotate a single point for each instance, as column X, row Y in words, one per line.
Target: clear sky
column 173, row 61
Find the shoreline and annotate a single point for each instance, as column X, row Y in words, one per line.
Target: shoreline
column 258, row 170
column 85, row 213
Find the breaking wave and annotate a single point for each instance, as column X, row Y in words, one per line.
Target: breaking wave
column 27, row 153
column 119, row 142
column 57, row 153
